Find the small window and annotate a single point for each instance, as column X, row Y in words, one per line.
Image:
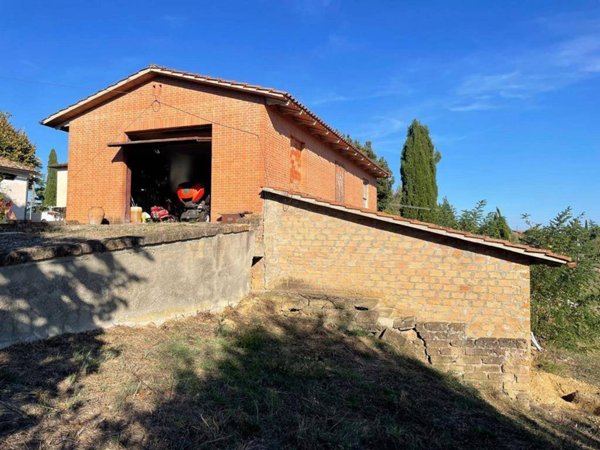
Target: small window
column 365, row 193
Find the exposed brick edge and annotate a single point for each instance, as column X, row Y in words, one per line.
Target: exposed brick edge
column 543, row 255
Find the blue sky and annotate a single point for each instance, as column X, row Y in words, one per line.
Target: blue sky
column 510, row 90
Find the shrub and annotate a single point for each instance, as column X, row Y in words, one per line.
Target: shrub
column 565, row 302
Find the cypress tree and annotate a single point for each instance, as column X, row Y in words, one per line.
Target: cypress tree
column 418, row 173
column 50, row 193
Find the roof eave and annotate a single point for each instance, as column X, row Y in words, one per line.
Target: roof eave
column 60, row 120
column 307, row 118
column 530, row 253
column 19, row 171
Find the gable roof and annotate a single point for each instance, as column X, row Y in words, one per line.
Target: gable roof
column 284, row 102
column 536, row 254
column 6, row 163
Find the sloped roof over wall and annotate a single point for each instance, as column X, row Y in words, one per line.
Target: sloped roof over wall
column 6, row 163
column 282, row 101
column 535, row 254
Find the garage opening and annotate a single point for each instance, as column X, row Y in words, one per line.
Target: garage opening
column 167, row 167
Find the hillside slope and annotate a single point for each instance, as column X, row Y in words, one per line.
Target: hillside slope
column 255, row 378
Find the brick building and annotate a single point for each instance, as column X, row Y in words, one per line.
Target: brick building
column 139, row 138
column 462, row 298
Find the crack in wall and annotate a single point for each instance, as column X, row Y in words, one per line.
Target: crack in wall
column 422, row 339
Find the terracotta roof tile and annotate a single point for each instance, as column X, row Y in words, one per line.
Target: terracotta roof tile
column 532, row 252
column 10, row 164
column 57, row 118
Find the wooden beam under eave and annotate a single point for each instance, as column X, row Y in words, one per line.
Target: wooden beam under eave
column 306, row 120
column 288, row 111
column 315, row 131
column 276, row 102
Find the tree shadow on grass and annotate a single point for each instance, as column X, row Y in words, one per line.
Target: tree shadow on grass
column 42, row 299
column 297, row 384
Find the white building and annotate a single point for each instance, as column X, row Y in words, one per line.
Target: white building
column 61, row 184
column 14, row 183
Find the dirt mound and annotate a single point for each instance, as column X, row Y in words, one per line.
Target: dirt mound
column 550, row 389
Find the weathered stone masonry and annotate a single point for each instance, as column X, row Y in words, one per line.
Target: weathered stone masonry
column 470, row 303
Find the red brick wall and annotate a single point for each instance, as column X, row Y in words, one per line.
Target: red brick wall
column 410, row 272
column 98, row 178
column 318, row 164
column 247, row 139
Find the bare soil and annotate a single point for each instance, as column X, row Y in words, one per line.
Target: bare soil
column 256, row 377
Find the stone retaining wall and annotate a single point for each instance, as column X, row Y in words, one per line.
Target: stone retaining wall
column 500, row 364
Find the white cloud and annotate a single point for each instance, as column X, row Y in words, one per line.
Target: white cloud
column 381, row 127
column 373, row 92
column 571, row 57
column 474, row 106
column 581, row 53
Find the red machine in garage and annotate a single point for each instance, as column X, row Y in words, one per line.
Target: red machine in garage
column 196, row 209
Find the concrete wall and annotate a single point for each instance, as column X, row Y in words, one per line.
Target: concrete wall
column 16, row 190
column 410, row 275
column 61, row 187
column 136, row 285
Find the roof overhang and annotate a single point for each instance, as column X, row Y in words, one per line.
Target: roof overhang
column 13, row 171
column 281, row 100
column 17, row 170
column 61, row 166
column 297, row 112
column 534, row 254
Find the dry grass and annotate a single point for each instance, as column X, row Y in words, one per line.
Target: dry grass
column 581, row 366
column 252, row 379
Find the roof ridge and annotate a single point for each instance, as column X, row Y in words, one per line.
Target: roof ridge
column 278, row 94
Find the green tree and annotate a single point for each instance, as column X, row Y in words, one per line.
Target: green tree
column 496, row 226
column 565, row 301
column 50, row 190
column 385, row 190
column 14, row 144
column 445, row 214
column 470, row 220
column 418, row 173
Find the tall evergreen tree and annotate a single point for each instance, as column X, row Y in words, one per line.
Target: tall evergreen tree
column 14, row 144
column 50, row 192
column 418, row 173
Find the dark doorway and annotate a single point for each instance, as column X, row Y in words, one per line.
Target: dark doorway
column 157, row 169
